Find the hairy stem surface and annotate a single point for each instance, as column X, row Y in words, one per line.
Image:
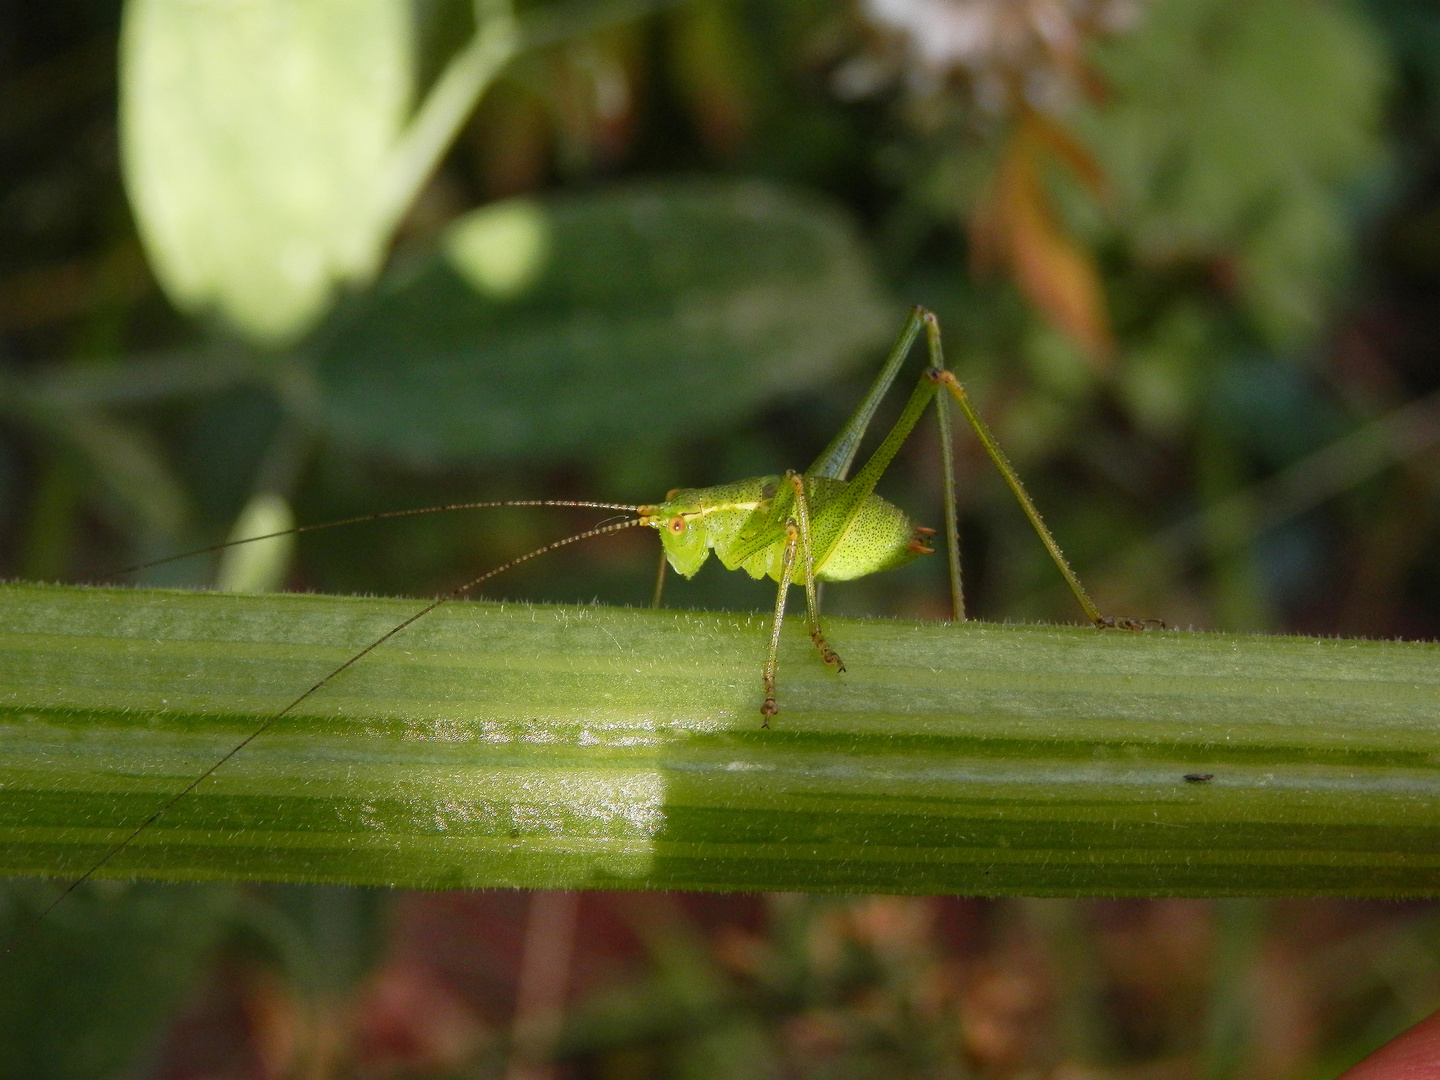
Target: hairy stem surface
column 544, row 746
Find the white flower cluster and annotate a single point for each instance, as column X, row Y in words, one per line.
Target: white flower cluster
column 1006, row 51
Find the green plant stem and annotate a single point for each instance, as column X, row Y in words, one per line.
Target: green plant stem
column 440, row 116
column 596, row 747
column 499, row 37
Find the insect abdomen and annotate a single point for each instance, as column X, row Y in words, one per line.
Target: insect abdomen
column 880, row 537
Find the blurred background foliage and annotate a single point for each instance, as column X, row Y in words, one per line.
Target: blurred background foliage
column 303, row 260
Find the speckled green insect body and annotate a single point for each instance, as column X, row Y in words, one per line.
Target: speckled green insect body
column 837, row 529
column 744, row 523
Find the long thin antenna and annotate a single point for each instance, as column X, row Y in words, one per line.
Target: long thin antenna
column 372, row 517
column 248, row 739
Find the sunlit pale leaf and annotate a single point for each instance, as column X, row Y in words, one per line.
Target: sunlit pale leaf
column 254, row 137
column 261, row 566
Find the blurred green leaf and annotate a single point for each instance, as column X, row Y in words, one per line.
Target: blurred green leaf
column 636, row 315
column 1236, row 129
column 255, row 195
column 502, row 249
column 85, row 990
column 261, row 566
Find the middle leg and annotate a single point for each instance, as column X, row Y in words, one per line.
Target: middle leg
column 772, row 658
column 807, row 561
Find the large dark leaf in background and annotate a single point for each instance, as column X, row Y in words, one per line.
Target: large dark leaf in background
column 644, row 313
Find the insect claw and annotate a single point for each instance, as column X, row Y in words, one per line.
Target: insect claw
column 921, row 530
column 1135, row 626
column 768, row 710
column 919, row 548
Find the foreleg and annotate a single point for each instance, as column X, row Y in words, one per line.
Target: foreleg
column 659, row 593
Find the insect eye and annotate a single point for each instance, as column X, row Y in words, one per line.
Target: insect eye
column 677, row 524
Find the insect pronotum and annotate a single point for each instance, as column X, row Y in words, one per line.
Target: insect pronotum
column 796, row 528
